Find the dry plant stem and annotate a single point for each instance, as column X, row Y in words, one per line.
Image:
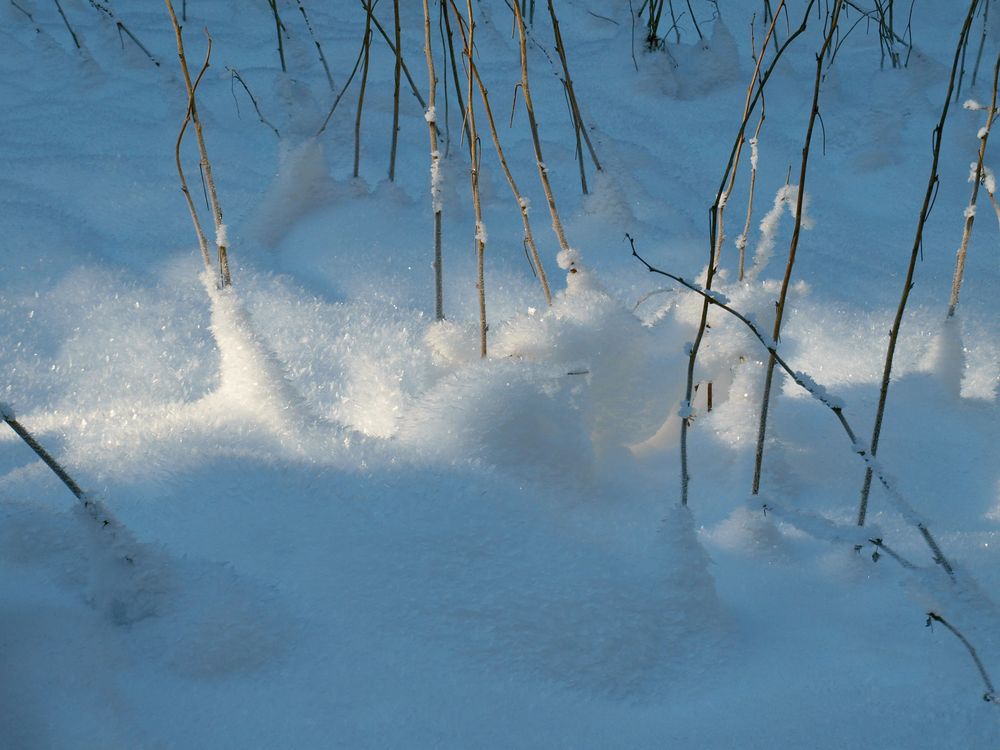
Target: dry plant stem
column 454, row 70
column 66, row 21
column 435, row 164
column 793, row 246
column 474, row 159
column 897, row 323
column 817, row 392
column 123, row 29
column 543, row 172
column 253, row 100
column 754, row 93
column 990, row 696
column 395, row 94
column 343, row 90
column 970, row 217
column 191, row 115
column 529, row 237
column 402, row 61
column 206, row 165
column 364, row 81
column 319, row 48
column 199, row 232
column 570, row 91
column 982, row 42
column 277, row 30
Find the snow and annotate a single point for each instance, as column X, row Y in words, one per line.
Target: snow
column 315, row 517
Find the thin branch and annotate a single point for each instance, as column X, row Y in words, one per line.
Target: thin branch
column 990, row 696
column 319, row 48
column 235, row 74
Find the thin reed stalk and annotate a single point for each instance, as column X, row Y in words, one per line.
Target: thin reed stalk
column 431, row 117
column 925, row 210
column 543, row 172
column 474, row 164
column 970, row 212
column 395, row 92
column 779, row 311
column 277, row 31
column 364, row 82
column 578, row 125
column 319, row 47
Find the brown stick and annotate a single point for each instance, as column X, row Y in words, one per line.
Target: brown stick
column 925, row 210
column 796, row 232
column 319, row 48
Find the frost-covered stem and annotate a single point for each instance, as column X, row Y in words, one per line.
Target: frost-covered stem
column 819, row 393
column 395, row 93
column 779, row 311
column 970, row 212
column 364, row 81
column 522, row 202
column 474, row 159
column 543, row 172
column 319, row 48
column 578, row 123
column 402, row 60
column 990, row 696
column 925, row 209
column 221, row 241
column 754, row 92
column 431, row 117
column 66, row 21
column 277, row 30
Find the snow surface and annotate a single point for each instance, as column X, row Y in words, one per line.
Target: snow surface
column 331, row 524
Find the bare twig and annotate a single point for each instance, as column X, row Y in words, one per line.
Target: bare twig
column 395, row 93
column 66, row 21
column 319, row 48
column 990, row 696
column 277, row 30
column 897, row 323
column 364, row 80
column 123, row 29
column 235, row 74
column 343, row 90
column 402, row 61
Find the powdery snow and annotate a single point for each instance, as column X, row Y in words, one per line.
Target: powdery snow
column 330, row 523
